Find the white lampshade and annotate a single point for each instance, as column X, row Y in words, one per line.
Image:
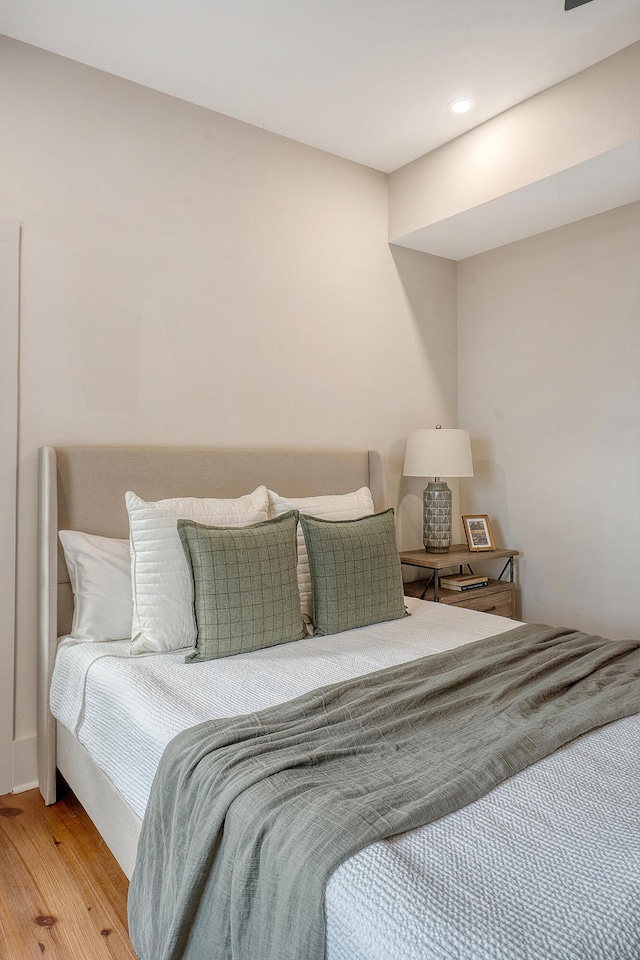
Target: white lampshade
column 438, row 453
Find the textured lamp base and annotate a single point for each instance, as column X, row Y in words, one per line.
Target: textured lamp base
column 437, row 517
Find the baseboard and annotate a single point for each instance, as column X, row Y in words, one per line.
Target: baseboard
column 25, row 764
column 23, row 787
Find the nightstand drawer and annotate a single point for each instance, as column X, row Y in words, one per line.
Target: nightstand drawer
column 499, row 603
column 498, row 597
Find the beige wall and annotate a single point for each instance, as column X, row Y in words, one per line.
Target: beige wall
column 549, row 385
column 190, row 279
column 9, row 329
column 187, row 278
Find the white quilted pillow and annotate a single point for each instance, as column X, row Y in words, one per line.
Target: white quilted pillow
column 162, row 588
column 344, row 506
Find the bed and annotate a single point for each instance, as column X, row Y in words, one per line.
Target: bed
column 509, row 876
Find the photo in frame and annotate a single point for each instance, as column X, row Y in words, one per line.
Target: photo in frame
column 477, row 530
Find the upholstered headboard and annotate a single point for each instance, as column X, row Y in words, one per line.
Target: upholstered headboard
column 82, row 488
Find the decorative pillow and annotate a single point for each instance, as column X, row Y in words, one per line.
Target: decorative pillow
column 162, row 586
column 355, row 572
column 244, row 585
column 344, row 506
column 100, row 574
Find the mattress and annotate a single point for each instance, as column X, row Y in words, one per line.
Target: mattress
column 545, row 867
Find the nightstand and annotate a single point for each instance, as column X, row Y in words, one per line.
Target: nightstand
column 498, row 597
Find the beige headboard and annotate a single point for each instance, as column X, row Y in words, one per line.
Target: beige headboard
column 82, row 488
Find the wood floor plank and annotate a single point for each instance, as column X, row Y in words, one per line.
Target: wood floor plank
column 92, row 862
column 63, row 896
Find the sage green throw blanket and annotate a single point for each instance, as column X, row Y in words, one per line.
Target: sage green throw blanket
column 248, row 817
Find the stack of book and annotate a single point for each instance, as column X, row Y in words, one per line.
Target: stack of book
column 460, row 582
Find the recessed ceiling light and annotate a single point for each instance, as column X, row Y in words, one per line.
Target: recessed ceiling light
column 461, row 105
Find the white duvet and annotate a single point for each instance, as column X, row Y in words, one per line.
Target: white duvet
column 545, row 867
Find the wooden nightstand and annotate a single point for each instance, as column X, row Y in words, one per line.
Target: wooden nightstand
column 498, row 597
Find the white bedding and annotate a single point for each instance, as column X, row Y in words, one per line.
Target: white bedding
column 545, row 867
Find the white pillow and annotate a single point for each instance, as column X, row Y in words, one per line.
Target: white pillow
column 100, row 574
column 344, row 506
column 162, row 587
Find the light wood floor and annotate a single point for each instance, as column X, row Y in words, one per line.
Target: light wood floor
column 62, row 894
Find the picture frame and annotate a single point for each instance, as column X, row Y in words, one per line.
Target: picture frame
column 477, row 530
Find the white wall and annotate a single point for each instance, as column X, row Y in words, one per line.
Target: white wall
column 189, row 279
column 549, row 385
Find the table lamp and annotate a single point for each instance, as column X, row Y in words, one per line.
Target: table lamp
column 437, row 453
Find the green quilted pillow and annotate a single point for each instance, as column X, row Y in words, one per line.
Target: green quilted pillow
column 245, row 586
column 355, row 571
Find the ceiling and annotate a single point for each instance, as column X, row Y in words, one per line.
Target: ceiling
column 369, row 80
